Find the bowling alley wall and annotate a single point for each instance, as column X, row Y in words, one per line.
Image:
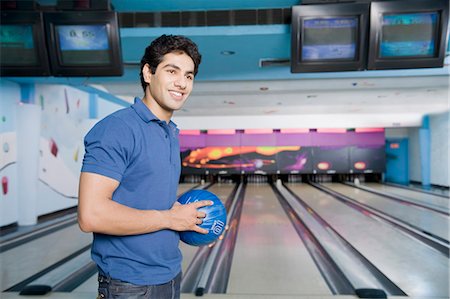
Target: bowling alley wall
column 293, row 151
column 42, row 128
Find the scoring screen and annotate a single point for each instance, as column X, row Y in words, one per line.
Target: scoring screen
column 408, row 35
column 83, row 44
column 17, row 45
column 329, row 38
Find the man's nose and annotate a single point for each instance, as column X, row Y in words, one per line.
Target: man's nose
column 181, row 82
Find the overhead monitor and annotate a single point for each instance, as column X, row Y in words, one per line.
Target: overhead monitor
column 408, row 34
column 84, row 43
column 22, row 44
column 328, row 37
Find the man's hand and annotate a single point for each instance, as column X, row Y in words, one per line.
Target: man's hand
column 188, row 217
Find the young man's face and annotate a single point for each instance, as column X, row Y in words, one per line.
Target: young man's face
column 170, row 85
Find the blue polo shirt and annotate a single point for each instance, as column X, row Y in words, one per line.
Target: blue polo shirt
column 141, row 152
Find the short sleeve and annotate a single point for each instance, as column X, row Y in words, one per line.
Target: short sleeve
column 107, row 148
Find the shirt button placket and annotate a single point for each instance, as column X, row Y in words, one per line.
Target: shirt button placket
column 166, row 136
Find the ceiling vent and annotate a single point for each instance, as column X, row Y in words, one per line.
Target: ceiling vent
column 205, row 18
column 267, row 62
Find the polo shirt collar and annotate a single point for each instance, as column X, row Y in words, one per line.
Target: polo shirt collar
column 146, row 114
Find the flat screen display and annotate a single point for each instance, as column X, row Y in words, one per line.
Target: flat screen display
column 409, row 35
column 17, row 46
column 83, row 44
column 329, row 38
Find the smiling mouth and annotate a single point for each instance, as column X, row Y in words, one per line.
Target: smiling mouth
column 176, row 94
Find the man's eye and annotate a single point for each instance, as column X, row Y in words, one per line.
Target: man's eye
column 171, row 71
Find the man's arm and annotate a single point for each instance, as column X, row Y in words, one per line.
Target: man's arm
column 97, row 212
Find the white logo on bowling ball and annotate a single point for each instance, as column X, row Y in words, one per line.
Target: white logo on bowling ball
column 217, row 227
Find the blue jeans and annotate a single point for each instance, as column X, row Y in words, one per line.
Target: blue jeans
column 116, row 289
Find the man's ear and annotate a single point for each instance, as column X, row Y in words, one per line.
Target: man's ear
column 147, row 73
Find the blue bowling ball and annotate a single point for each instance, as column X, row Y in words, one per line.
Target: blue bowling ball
column 214, row 222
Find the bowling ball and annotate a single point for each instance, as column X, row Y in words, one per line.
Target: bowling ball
column 214, row 222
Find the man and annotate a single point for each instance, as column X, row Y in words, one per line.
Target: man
column 129, row 180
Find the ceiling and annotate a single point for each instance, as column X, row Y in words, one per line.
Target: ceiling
column 237, row 85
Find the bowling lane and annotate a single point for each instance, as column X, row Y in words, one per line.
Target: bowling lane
column 416, row 268
column 426, row 220
column 32, row 257
column 431, row 189
column 185, row 187
column 222, row 191
column 270, row 257
column 427, row 199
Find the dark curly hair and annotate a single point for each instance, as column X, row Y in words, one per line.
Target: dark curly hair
column 167, row 44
